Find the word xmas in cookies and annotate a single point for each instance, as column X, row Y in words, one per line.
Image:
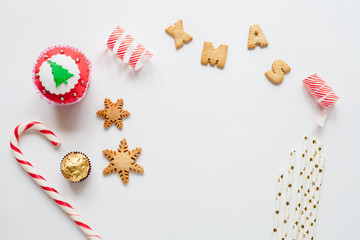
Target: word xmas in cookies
column 217, row 56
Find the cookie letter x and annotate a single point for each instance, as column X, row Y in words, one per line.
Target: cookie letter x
column 180, row 37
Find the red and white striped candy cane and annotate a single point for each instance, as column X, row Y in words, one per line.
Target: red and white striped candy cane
column 40, row 180
column 128, row 49
column 324, row 95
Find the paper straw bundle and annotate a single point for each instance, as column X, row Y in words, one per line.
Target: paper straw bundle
column 295, row 216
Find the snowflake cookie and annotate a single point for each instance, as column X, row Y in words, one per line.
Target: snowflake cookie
column 122, row 161
column 113, row 113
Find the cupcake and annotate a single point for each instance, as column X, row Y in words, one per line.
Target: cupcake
column 61, row 75
column 75, row 166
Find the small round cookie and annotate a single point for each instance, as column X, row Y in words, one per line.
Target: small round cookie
column 61, row 75
column 75, row 166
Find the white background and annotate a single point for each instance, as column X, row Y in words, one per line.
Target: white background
column 213, row 140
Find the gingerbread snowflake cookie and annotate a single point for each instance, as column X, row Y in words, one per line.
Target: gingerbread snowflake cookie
column 113, row 113
column 122, row 161
column 61, row 75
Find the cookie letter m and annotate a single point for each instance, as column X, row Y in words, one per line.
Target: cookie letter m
column 214, row 56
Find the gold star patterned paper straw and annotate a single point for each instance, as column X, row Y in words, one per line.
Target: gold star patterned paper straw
column 298, row 192
column 288, row 195
column 310, row 163
column 310, row 182
column 316, row 198
column 276, row 220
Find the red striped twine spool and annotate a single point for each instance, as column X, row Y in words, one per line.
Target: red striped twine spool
column 128, row 49
column 40, row 180
column 324, row 95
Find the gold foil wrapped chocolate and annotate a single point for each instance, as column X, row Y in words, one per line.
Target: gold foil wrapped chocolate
column 75, row 166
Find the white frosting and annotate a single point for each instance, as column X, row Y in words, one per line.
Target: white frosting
column 47, row 78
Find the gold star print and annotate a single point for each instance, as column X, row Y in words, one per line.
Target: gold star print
column 122, row 161
column 113, row 113
column 275, row 230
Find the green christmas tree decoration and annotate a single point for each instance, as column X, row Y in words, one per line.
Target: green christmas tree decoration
column 60, row 74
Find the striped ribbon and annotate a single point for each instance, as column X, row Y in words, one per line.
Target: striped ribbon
column 128, row 49
column 40, row 180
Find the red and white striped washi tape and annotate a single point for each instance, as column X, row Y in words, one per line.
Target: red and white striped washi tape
column 128, row 49
column 321, row 91
column 40, row 180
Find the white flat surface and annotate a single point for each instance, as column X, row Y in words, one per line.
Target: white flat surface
column 213, row 140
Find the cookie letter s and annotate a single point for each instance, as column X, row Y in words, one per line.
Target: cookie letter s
column 279, row 68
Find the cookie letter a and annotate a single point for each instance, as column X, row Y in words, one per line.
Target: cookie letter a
column 256, row 37
column 214, row 56
column 177, row 31
column 279, row 68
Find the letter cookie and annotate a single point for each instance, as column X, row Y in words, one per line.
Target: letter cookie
column 177, row 31
column 214, row 56
column 279, row 68
column 256, row 37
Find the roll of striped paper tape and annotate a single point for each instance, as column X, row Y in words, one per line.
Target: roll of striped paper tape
column 128, row 49
column 323, row 93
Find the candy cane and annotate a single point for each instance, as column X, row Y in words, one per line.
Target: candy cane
column 40, row 180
